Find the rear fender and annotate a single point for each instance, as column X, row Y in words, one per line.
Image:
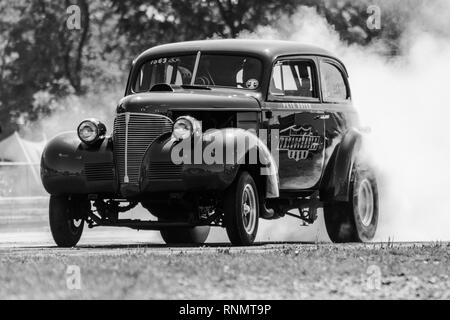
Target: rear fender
column 337, row 178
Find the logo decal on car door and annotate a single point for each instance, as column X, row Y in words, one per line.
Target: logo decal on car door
column 299, row 141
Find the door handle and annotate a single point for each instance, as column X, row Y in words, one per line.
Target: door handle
column 322, row 117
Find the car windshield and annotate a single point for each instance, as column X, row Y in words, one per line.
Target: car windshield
column 209, row 70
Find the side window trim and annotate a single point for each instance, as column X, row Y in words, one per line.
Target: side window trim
column 344, row 77
column 315, row 75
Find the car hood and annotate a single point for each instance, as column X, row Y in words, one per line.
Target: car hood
column 160, row 102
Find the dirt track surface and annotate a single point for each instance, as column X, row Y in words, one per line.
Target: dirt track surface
column 218, row 271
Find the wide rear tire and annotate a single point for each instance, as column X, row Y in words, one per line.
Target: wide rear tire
column 357, row 219
column 66, row 217
column 241, row 210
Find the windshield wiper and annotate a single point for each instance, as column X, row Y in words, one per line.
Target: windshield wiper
column 191, row 86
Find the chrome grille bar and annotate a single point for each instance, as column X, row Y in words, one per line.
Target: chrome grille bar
column 126, row 179
column 133, row 134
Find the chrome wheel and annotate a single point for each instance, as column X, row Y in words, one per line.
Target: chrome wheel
column 365, row 202
column 249, row 209
column 74, row 225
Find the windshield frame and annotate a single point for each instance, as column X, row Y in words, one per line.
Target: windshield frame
column 199, row 54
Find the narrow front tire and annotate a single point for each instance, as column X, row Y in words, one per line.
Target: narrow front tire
column 241, row 210
column 196, row 235
column 66, row 218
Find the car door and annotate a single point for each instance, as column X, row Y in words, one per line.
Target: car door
column 294, row 116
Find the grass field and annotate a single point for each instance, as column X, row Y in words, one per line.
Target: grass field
column 265, row 271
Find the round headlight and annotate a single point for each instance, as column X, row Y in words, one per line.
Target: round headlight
column 90, row 131
column 183, row 128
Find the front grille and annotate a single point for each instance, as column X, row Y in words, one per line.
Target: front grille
column 164, row 171
column 99, row 171
column 133, row 134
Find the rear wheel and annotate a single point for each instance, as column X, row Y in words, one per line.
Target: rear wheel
column 357, row 219
column 241, row 210
column 66, row 218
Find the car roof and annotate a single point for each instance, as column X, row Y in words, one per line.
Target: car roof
column 266, row 49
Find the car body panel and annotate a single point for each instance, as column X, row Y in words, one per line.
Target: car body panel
column 160, row 102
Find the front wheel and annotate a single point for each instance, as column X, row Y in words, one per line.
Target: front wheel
column 357, row 219
column 241, row 210
column 197, row 235
column 178, row 235
column 66, row 217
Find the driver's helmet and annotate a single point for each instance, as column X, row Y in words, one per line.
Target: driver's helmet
column 251, row 73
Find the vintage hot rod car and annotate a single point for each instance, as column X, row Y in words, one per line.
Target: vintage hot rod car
column 219, row 133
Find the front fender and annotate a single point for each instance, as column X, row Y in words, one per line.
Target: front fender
column 211, row 161
column 265, row 161
column 159, row 173
column 68, row 166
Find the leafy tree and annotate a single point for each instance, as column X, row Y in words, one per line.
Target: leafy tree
column 42, row 60
column 152, row 22
column 38, row 55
